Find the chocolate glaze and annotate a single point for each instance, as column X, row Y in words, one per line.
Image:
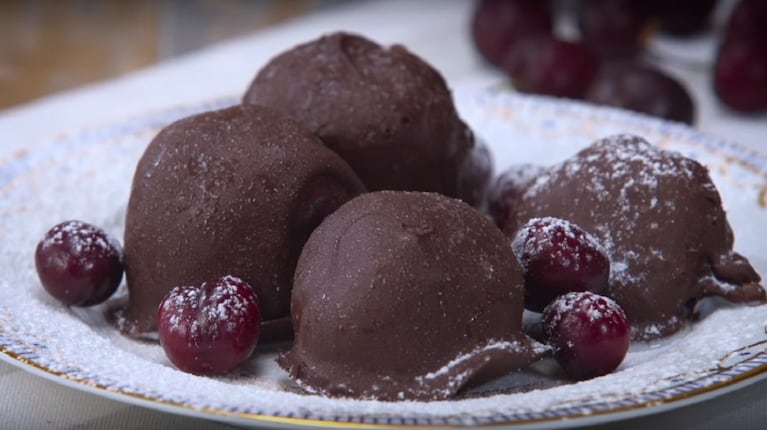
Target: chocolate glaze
column 661, row 221
column 387, row 112
column 405, row 295
column 230, row 192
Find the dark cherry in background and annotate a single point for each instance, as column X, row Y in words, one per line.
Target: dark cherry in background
column 544, row 64
column 682, row 18
column 497, row 25
column 642, row 88
column 613, row 28
column 740, row 74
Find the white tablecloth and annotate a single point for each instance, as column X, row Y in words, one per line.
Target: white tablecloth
column 436, row 30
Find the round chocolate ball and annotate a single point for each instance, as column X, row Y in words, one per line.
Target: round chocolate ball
column 387, row 112
column 233, row 192
column 659, row 217
column 406, row 295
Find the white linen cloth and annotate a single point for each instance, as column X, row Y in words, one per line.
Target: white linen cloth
column 437, row 30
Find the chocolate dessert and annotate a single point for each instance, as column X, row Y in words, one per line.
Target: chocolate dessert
column 387, row 112
column 405, row 296
column 661, row 221
column 230, row 192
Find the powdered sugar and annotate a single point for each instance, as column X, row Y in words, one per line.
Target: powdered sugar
column 491, row 345
column 211, row 310
column 538, row 234
column 83, row 239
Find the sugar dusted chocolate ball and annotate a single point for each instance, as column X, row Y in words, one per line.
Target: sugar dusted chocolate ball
column 234, row 192
column 661, row 222
column 406, row 295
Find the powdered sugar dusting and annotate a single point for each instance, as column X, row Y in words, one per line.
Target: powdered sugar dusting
column 211, row 310
column 597, row 308
column 629, row 161
column 230, row 303
column 537, row 235
column 491, row 345
column 84, row 347
column 83, row 239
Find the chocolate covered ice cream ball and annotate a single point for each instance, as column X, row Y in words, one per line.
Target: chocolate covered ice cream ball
column 405, row 295
column 387, row 112
column 234, row 192
column 661, row 221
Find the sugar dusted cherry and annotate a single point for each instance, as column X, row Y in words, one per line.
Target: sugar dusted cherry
column 613, row 28
column 78, row 263
column 558, row 257
column 212, row 329
column 590, row 334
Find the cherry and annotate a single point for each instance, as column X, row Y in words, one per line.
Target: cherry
column 747, row 21
column 212, row 329
column 78, row 263
column 740, row 74
column 497, row 25
column 543, row 64
column 642, row 88
column 590, row 334
column 558, row 257
column 613, row 28
column 507, row 188
column 684, row 17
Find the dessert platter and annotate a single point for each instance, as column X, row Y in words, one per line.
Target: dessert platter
column 489, row 364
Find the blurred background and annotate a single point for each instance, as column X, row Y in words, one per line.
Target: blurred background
column 52, row 45
column 693, row 61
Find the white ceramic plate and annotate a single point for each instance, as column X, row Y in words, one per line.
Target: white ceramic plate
column 86, row 175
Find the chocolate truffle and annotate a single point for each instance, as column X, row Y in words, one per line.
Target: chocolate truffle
column 387, row 112
column 234, row 192
column 405, row 295
column 661, row 221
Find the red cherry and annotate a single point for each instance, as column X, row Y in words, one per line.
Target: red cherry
column 558, row 257
column 79, row 264
column 740, row 74
column 543, row 64
column 590, row 334
column 683, row 18
column 212, row 329
column 642, row 88
column 613, row 28
column 747, row 21
column 497, row 25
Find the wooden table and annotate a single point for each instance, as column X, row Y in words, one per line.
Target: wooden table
column 48, row 46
